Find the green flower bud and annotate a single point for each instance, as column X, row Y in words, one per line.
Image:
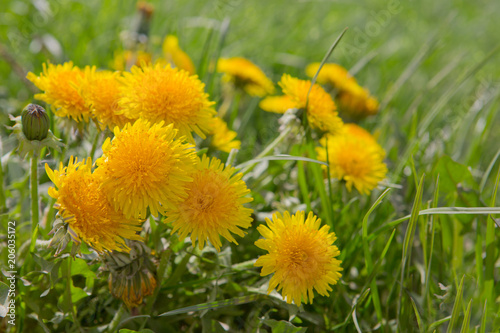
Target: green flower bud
column 35, row 122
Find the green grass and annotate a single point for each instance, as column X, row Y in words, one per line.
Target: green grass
column 410, row 261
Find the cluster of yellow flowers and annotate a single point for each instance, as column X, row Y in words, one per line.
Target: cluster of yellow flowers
column 150, row 165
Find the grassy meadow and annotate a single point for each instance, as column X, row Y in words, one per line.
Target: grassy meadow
column 419, row 245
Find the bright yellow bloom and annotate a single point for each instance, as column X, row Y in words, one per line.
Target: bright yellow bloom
column 277, row 104
column 123, row 60
column 101, row 91
column 176, row 56
column 214, row 205
column 356, row 101
column 301, row 256
column 161, row 93
column 223, row 138
column 245, row 74
column 84, row 206
column 355, row 159
column 60, row 85
column 362, row 134
column 145, row 167
column 321, row 110
column 332, row 74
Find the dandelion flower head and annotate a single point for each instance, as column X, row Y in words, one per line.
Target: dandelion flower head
column 354, row 158
column 162, row 93
column 101, row 91
column 277, row 104
column 214, row 205
column 332, row 74
column 356, row 101
column 321, row 110
column 302, row 257
column 60, row 86
column 145, row 167
column 176, row 56
column 84, row 206
column 244, row 73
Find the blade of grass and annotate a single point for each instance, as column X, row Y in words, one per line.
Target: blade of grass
column 368, row 257
column 482, row 328
column 456, row 306
column 301, row 178
column 438, row 323
column 427, row 294
column 407, row 245
column 486, row 174
column 489, row 262
column 355, row 303
column 466, row 322
column 417, row 314
column 319, row 184
column 325, row 59
column 214, row 305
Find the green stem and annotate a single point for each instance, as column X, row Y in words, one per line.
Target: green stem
column 69, row 283
column 113, row 325
column 35, row 217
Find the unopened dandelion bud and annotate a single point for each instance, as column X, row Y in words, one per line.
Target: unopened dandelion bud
column 35, row 122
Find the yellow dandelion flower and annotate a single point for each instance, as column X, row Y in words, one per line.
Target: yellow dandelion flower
column 161, row 93
column 223, row 138
column 214, row 205
column 277, row 104
column 301, row 256
column 60, row 85
column 355, row 159
column 321, row 110
column 144, row 167
column 245, row 74
column 356, row 101
column 176, row 56
column 123, row 60
column 84, row 206
column 360, row 133
column 101, row 91
column 332, row 74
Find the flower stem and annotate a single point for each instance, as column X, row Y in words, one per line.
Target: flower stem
column 35, row 217
column 69, row 284
column 113, row 325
